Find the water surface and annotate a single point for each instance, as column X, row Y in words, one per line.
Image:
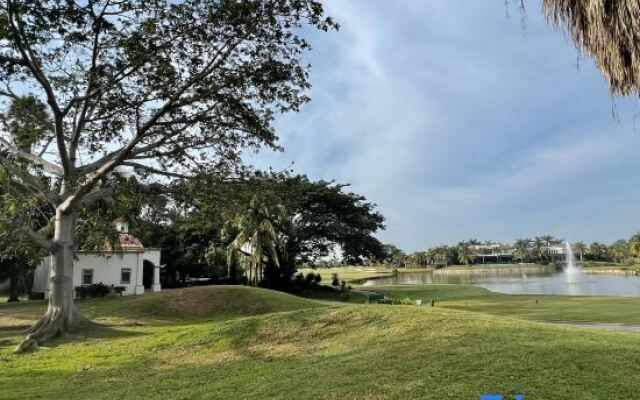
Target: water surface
column 528, row 282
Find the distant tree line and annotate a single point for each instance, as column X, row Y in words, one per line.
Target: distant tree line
column 528, row 250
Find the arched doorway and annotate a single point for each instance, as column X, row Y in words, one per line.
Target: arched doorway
column 147, row 274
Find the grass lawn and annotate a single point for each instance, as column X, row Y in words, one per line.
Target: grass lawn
column 345, row 297
column 621, row 310
column 349, row 274
column 611, row 267
column 240, row 343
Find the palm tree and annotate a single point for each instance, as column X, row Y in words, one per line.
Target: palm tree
column 580, row 248
column 257, row 237
column 521, row 249
column 432, row 256
column 603, row 30
column 597, row 250
column 464, row 254
column 619, row 251
column 539, row 249
column 634, row 245
column 442, row 255
column 548, row 239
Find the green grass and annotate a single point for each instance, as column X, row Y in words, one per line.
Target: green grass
column 611, row 267
column 620, row 310
column 237, row 343
column 168, row 307
column 349, row 274
column 427, row 292
column 354, row 275
column 345, row 297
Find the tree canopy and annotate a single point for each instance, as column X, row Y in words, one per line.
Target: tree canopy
column 159, row 88
column 316, row 219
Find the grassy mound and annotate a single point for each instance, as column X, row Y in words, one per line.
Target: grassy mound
column 355, row 352
column 168, row 306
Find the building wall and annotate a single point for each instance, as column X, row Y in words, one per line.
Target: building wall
column 106, row 268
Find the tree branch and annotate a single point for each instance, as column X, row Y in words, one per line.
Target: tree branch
column 34, row 66
column 154, row 171
column 38, row 238
column 33, row 159
column 98, row 195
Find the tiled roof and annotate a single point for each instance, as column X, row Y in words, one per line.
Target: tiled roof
column 128, row 242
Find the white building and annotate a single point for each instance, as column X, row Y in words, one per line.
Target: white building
column 132, row 266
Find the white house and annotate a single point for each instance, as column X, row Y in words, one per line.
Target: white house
column 132, row 266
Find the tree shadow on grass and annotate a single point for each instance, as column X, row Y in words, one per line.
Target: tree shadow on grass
column 10, row 337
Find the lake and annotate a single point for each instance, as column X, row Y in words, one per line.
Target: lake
column 530, row 282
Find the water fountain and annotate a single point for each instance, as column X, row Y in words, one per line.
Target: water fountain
column 571, row 270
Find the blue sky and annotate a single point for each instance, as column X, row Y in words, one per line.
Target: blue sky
column 460, row 121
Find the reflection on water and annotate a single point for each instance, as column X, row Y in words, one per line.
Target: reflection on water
column 529, row 282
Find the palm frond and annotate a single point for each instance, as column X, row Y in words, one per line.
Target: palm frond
column 607, row 31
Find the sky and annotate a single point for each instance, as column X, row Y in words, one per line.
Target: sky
column 462, row 119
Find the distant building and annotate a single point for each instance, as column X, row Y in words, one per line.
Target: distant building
column 557, row 250
column 503, row 253
column 129, row 265
column 492, row 252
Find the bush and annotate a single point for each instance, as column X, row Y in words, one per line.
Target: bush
column 98, row 290
column 310, row 278
column 243, row 281
column 403, row 302
column 335, row 280
column 36, row 296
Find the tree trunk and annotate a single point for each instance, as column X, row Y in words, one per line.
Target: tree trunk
column 14, row 286
column 62, row 315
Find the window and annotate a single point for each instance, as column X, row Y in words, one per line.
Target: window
column 125, row 276
column 87, row 277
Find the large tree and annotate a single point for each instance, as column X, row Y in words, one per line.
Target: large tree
column 160, row 87
column 320, row 219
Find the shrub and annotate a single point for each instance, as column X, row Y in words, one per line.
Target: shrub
column 403, row 302
column 310, row 278
column 98, row 290
column 244, row 280
column 36, row 296
column 335, row 281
